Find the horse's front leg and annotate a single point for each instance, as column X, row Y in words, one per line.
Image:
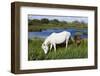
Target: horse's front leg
column 66, row 43
column 50, row 46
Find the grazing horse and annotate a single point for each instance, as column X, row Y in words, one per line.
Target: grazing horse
column 55, row 38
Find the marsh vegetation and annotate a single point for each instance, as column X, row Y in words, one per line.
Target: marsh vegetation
column 72, row 52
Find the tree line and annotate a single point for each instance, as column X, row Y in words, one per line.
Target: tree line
column 54, row 21
column 42, row 24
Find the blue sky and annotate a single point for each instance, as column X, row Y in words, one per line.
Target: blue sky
column 60, row 18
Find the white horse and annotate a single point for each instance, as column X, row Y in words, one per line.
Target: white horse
column 55, row 38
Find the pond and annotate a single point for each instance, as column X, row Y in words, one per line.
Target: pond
column 47, row 32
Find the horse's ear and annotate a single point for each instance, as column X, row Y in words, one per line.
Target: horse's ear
column 43, row 44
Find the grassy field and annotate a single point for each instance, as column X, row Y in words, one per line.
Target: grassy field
column 35, row 52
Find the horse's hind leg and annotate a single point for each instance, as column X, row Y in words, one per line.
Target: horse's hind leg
column 66, row 43
column 54, row 47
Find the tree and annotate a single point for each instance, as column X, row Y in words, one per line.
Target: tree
column 45, row 20
column 36, row 21
column 54, row 21
column 29, row 22
column 33, row 22
column 83, row 23
column 76, row 22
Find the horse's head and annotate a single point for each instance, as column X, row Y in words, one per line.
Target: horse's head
column 45, row 48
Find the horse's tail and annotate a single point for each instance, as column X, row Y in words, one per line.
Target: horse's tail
column 72, row 39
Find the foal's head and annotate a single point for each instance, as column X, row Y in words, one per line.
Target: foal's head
column 77, row 39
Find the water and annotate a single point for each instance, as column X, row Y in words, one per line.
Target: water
column 45, row 33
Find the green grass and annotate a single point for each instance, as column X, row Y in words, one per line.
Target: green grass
column 35, row 52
